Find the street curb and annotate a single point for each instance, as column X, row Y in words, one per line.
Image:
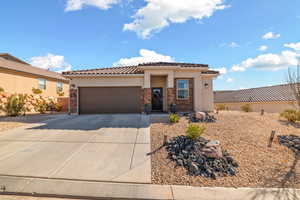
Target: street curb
column 103, row 190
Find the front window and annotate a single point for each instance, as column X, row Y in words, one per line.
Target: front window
column 42, row 84
column 182, row 89
column 59, row 87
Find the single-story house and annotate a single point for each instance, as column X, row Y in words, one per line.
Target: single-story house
column 129, row 89
column 272, row 98
column 17, row 76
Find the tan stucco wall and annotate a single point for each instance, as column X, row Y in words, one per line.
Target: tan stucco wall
column 107, row 81
column 18, row 82
column 271, row 107
column 203, row 97
column 160, row 81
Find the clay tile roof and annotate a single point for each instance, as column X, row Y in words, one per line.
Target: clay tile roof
column 108, row 71
column 18, row 66
column 173, row 64
column 128, row 69
column 262, row 94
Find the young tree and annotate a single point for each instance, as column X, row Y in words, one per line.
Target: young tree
column 293, row 80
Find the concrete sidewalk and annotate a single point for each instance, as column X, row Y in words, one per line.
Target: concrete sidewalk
column 108, row 190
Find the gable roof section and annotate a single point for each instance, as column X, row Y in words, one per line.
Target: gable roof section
column 173, row 64
column 108, row 71
column 26, row 68
column 12, row 58
column 262, row 94
column 211, row 72
column 126, row 70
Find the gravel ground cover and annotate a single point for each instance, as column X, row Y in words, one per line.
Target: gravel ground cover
column 245, row 136
column 7, row 123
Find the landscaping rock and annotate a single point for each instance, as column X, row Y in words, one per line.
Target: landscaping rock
column 201, row 157
column 202, row 117
column 290, row 141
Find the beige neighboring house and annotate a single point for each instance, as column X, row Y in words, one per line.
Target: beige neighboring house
column 17, row 76
column 129, row 89
column 272, row 99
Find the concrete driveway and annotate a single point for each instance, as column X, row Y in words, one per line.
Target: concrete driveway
column 87, row 147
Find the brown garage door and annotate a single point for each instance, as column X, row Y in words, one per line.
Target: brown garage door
column 97, row 100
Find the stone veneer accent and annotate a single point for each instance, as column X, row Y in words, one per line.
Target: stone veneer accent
column 73, row 100
column 171, row 97
column 188, row 104
column 146, row 97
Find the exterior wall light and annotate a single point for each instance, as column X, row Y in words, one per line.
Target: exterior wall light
column 206, row 85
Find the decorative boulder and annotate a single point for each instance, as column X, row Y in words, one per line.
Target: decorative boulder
column 200, row 115
column 213, row 149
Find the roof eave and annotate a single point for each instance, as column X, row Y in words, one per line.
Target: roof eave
column 101, row 75
column 36, row 74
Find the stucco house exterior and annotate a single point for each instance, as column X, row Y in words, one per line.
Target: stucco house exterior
column 129, row 89
column 271, row 99
column 17, row 76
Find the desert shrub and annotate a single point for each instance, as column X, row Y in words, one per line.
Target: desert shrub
column 1, row 89
column 221, row 107
column 37, row 91
column 173, row 118
column 291, row 115
column 58, row 107
column 60, row 93
column 15, row 105
column 246, row 108
column 41, row 106
column 194, row 131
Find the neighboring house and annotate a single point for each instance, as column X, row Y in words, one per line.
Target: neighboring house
column 17, row 76
column 130, row 89
column 272, row 99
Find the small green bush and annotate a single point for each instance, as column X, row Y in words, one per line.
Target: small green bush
column 173, row 118
column 221, row 107
column 291, row 115
column 246, row 108
column 194, row 131
column 41, row 106
column 15, row 105
column 60, row 93
column 58, row 107
column 1, row 89
column 37, row 91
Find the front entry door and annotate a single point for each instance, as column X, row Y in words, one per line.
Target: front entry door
column 157, row 99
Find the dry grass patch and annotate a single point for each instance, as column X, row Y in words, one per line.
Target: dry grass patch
column 245, row 136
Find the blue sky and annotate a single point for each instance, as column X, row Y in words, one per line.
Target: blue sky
column 253, row 41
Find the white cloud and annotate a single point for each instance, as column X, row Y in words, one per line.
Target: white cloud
column 295, row 46
column 229, row 80
column 51, row 62
column 270, row 35
column 158, row 14
column 222, row 70
column 146, row 56
column 263, row 48
column 233, row 45
column 269, row 61
column 73, row 5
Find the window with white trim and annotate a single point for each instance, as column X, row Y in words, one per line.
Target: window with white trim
column 59, row 86
column 182, row 92
column 42, row 83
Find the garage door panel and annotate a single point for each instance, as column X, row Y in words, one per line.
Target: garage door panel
column 97, row 100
